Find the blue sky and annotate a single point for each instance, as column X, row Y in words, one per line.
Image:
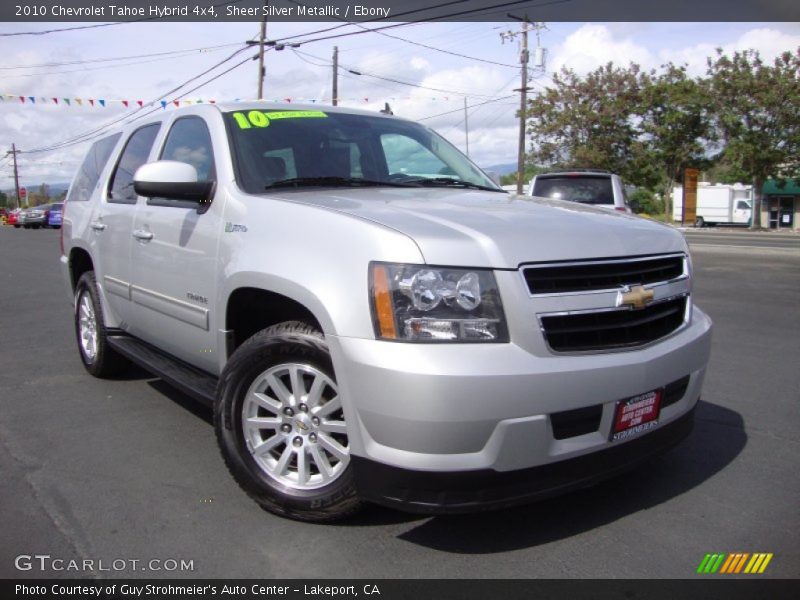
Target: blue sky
column 305, row 74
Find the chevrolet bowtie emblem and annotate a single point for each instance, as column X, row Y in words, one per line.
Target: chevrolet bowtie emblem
column 636, row 297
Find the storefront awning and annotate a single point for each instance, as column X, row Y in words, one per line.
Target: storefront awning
column 791, row 188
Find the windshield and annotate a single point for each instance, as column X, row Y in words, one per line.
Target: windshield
column 585, row 189
column 302, row 148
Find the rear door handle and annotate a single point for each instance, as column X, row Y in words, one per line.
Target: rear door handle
column 97, row 225
column 141, row 234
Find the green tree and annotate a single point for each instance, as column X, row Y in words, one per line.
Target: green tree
column 3, row 200
column 757, row 113
column 586, row 121
column 673, row 129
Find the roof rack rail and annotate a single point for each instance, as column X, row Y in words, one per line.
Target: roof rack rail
column 577, row 170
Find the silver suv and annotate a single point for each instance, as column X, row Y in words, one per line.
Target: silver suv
column 371, row 317
column 602, row 189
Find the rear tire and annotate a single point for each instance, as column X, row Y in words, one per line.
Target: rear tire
column 97, row 356
column 280, row 426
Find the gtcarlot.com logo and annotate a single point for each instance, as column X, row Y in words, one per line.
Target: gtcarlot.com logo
column 46, row 562
column 738, row 562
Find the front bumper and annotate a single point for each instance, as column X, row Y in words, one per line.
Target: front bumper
column 470, row 410
column 467, row 491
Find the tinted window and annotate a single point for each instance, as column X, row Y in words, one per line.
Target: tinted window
column 271, row 146
column 588, row 190
column 133, row 156
column 189, row 141
column 92, row 167
column 406, row 155
column 742, row 205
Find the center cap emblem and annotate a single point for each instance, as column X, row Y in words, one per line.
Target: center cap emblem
column 636, row 297
column 301, row 425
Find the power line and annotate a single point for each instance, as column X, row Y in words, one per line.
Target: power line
column 100, row 68
column 449, row 112
column 97, row 131
column 115, row 58
column 355, row 71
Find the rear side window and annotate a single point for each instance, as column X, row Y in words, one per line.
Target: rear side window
column 135, row 154
column 189, row 141
column 587, row 190
column 92, row 167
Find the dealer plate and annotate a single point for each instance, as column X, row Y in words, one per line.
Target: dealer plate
column 636, row 415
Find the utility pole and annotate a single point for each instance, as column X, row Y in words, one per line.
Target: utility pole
column 13, row 152
column 527, row 26
column 335, row 90
column 261, row 38
column 466, row 124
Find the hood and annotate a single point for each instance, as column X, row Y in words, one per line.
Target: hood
column 487, row 229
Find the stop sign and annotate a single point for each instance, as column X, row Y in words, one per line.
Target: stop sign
column 23, row 193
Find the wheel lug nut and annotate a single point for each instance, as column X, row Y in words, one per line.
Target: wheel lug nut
column 315, row 421
column 297, row 442
column 303, row 408
column 288, row 412
column 312, row 437
column 286, row 428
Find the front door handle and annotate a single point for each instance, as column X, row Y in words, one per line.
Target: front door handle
column 97, row 225
column 141, row 234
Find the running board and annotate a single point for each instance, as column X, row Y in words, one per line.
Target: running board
column 190, row 380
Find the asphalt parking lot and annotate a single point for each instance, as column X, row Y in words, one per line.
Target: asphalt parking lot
column 129, row 469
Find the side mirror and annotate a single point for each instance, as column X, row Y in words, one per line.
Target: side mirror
column 172, row 180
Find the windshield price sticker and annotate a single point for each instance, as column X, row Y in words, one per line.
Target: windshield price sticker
column 258, row 118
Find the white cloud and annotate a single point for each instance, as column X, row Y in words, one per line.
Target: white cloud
column 769, row 43
column 594, row 45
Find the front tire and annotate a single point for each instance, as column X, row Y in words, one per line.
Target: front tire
column 281, row 428
column 97, row 356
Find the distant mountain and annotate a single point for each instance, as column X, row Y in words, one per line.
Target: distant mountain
column 54, row 188
column 504, row 169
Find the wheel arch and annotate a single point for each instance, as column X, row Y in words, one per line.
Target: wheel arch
column 252, row 308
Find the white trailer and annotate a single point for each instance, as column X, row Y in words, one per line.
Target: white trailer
column 717, row 204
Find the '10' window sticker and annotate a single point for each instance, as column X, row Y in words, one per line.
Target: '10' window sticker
column 257, row 118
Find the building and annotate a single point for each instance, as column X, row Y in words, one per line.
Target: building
column 780, row 206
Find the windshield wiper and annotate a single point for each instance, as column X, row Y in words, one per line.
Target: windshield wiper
column 450, row 181
column 334, row 181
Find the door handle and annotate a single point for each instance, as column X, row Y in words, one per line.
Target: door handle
column 141, row 234
column 97, row 225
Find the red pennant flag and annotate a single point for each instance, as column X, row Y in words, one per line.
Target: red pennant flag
column 212, row 101
column 91, row 101
column 176, row 102
column 288, row 99
column 125, row 103
column 139, row 102
column 22, row 99
column 55, row 100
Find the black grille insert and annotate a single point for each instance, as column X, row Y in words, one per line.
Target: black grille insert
column 580, row 421
column 553, row 279
column 613, row 329
column 674, row 391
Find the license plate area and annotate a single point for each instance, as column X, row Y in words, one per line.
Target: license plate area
column 636, row 415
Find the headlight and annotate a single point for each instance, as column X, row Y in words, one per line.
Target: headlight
column 416, row 303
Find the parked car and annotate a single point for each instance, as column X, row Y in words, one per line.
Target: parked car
column 365, row 332
column 13, row 217
column 55, row 214
column 35, row 217
column 587, row 186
